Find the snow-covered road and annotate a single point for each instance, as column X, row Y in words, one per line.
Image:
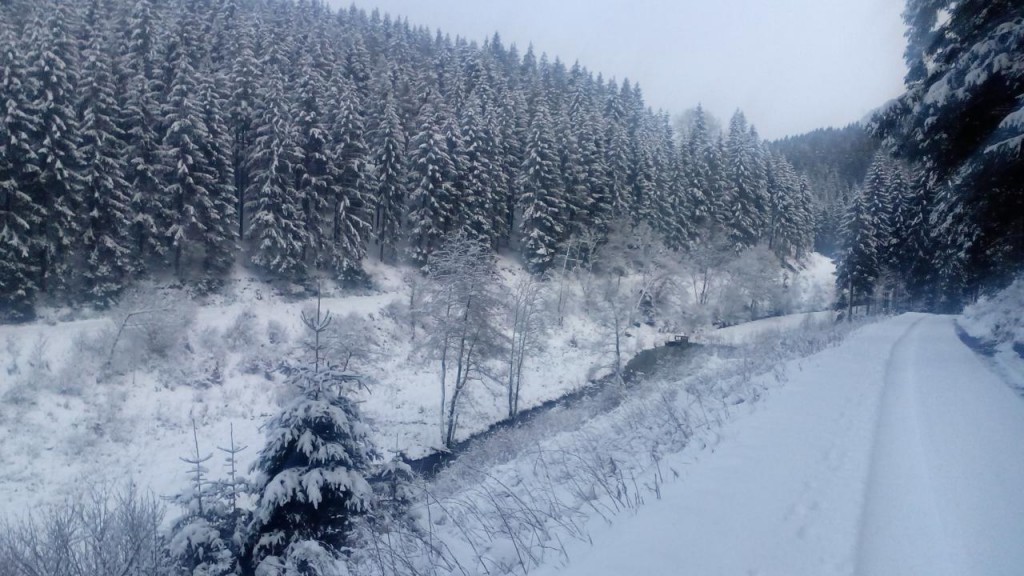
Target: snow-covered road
column 898, row 452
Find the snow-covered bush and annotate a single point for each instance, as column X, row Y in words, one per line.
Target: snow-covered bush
column 277, row 333
column 351, row 342
column 998, row 320
column 242, row 332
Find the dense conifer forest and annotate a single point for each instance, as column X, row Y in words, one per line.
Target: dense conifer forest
column 151, row 138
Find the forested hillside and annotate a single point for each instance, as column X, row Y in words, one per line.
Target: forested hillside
column 179, row 138
column 835, row 162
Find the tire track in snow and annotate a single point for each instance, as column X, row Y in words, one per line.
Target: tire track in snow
column 943, row 494
column 900, row 511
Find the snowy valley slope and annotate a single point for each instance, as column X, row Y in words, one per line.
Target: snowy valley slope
column 68, row 418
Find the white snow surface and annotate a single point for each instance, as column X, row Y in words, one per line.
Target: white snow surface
column 898, row 452
column 750, row 331
column 63, row 428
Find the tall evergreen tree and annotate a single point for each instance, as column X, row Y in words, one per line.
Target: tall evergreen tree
column 52, row 82
column 19, row 214
column 432, row 202
column 481, row 192
column 961, row 117
column 140, row 124
column 858, row 268
column 542, row 198
column 242, row 112
column 351, row 204
column 188, row 175
column 106, row 200
column 313, row 169
column 220, row 235
column 276, row 229
column 390, row 177
column 746, row 181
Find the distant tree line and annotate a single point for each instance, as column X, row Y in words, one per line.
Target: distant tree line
column 835, row 162
column 144, row 138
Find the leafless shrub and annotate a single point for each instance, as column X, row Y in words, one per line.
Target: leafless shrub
column 277, row 333
column 242, row 332
column 102, row 532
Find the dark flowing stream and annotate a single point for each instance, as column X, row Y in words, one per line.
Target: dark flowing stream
column 645, row 364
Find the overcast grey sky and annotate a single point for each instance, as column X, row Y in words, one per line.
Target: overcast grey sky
column 790, row 65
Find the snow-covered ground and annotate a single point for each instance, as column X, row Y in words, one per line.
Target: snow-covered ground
column 894, row 451
column 751, row 331
column 897, row 452
column 65, row 420
column 68, row 420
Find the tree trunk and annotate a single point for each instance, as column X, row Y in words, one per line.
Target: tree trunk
column 849, row 311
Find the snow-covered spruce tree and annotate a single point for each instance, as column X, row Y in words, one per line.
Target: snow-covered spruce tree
column 918, row 244
column 390, row 177
column 641, row 180
column 18, row 211
column 616, row 150
column 313, row 167
column 508, row 118
column 107, row 217
column 139, row 122
column 896, row 256
column 275, row 225
column 746, row 181
column 242, row 111
column 206, row 539
column 351, row 204
column 479, row 178
column 311, row 472
column 672, row 216
column 858, row 265
column 597, row 198
column 789, row 217
column 219, row 233
column 694, row 149
column 432, row 202
column 542, row 197
column 187, row 175
column 55, row 185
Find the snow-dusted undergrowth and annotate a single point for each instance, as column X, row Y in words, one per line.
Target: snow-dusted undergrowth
column 80, row 403
column 996, row 323
column 83, row 400
column 511, row 503
column 998, row 319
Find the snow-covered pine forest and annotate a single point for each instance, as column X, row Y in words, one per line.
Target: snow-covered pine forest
column 290, row 290
column 153, row 139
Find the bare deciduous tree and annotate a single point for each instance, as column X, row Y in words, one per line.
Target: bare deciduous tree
column 615, row 314
column 527, row 325
column 462, row 306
